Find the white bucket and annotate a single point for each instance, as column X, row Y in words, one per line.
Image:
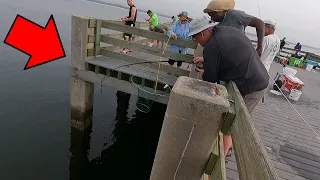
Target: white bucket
column 295, row 94
column 309, row 67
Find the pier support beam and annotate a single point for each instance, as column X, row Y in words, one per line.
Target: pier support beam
column 82, row 92
column 189, row 130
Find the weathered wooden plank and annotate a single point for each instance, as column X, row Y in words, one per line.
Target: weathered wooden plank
column 92, row 23
column 219, row 171
column 114, row 48
column 97, row 37
column 172, row 70
column 90, row 45
column 137, row 70
column 120, row 85
column 146, row 49
column 90, row 52
column 252, row 159
column 91, row 31
column 148, row 34
column 91, row 39
column 139, row 24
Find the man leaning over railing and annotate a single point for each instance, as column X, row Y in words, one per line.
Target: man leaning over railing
column 228, row 55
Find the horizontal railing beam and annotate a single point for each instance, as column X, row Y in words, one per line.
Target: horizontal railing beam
column 148, row 34
column 146, row 49
column 120, row 85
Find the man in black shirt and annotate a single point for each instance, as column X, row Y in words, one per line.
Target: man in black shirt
column 228, row 55
column 130, row 21
column 283, row 43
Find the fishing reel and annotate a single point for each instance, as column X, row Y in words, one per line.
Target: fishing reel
column 198, row 67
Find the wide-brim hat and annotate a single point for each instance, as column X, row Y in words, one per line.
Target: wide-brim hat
column 219, row 5
column 200, row 24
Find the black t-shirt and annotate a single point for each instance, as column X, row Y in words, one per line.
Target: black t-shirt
column 230, row 55
column 283, row 42
column 135, row 18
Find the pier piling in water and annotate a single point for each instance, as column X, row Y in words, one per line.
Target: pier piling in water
column 82, row 92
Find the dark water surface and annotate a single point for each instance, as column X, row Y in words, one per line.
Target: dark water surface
column 35, row 137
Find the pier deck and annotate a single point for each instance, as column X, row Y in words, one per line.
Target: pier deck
column 291, row 145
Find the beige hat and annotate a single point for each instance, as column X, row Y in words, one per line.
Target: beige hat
column 219, row 5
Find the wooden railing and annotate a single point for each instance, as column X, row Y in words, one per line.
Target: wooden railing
column 93, row 63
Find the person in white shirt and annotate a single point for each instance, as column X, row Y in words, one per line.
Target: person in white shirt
column 271, row 44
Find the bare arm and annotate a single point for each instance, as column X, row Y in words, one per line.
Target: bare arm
column 133, row 14
column 259, row 25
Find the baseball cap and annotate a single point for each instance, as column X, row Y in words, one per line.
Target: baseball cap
column 199, row 24
column 219, row 5
column 270, row 22
column 184, row 13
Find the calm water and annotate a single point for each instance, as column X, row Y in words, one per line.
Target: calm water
column 35, row 137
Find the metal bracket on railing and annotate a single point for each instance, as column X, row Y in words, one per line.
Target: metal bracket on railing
column 228, row 119
column 214, row 156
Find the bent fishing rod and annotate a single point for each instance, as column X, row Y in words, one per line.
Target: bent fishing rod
column 153, row 62
column 146, row 62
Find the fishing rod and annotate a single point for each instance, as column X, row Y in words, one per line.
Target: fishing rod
column 146, row 62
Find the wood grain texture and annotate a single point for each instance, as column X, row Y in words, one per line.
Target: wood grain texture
column 97, row 37
column 253, row 161
column 219, row 171
column 148, row 34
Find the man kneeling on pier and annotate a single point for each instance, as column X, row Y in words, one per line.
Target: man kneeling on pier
column 228, row 55
column 160, row 28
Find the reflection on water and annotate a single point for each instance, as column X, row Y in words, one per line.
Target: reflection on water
column 132, row 150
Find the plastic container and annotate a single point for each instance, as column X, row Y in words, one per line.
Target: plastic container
column 309, row 67
column 295, row 94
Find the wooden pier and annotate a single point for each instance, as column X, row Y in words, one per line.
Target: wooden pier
column 96, row 60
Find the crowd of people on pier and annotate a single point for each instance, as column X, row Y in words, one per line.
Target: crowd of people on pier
column 226, row 53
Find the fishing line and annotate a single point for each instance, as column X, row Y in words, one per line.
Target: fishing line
column 317, row 135
column 146, row 62
column 305, row 121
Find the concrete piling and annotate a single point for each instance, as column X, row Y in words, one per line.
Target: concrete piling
column 189, row 130
column 82, row 92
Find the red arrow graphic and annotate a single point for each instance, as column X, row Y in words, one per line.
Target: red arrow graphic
column 43, row 44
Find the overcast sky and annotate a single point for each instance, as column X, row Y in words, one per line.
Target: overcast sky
column 298, row 20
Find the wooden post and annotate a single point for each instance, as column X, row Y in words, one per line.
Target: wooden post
column 190, row 127
column 82, row 92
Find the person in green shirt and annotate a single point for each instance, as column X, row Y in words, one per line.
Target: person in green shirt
column 153, row 22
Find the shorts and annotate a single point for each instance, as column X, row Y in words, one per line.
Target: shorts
column 128, row 23
column 252, row 100
column 171, row 61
